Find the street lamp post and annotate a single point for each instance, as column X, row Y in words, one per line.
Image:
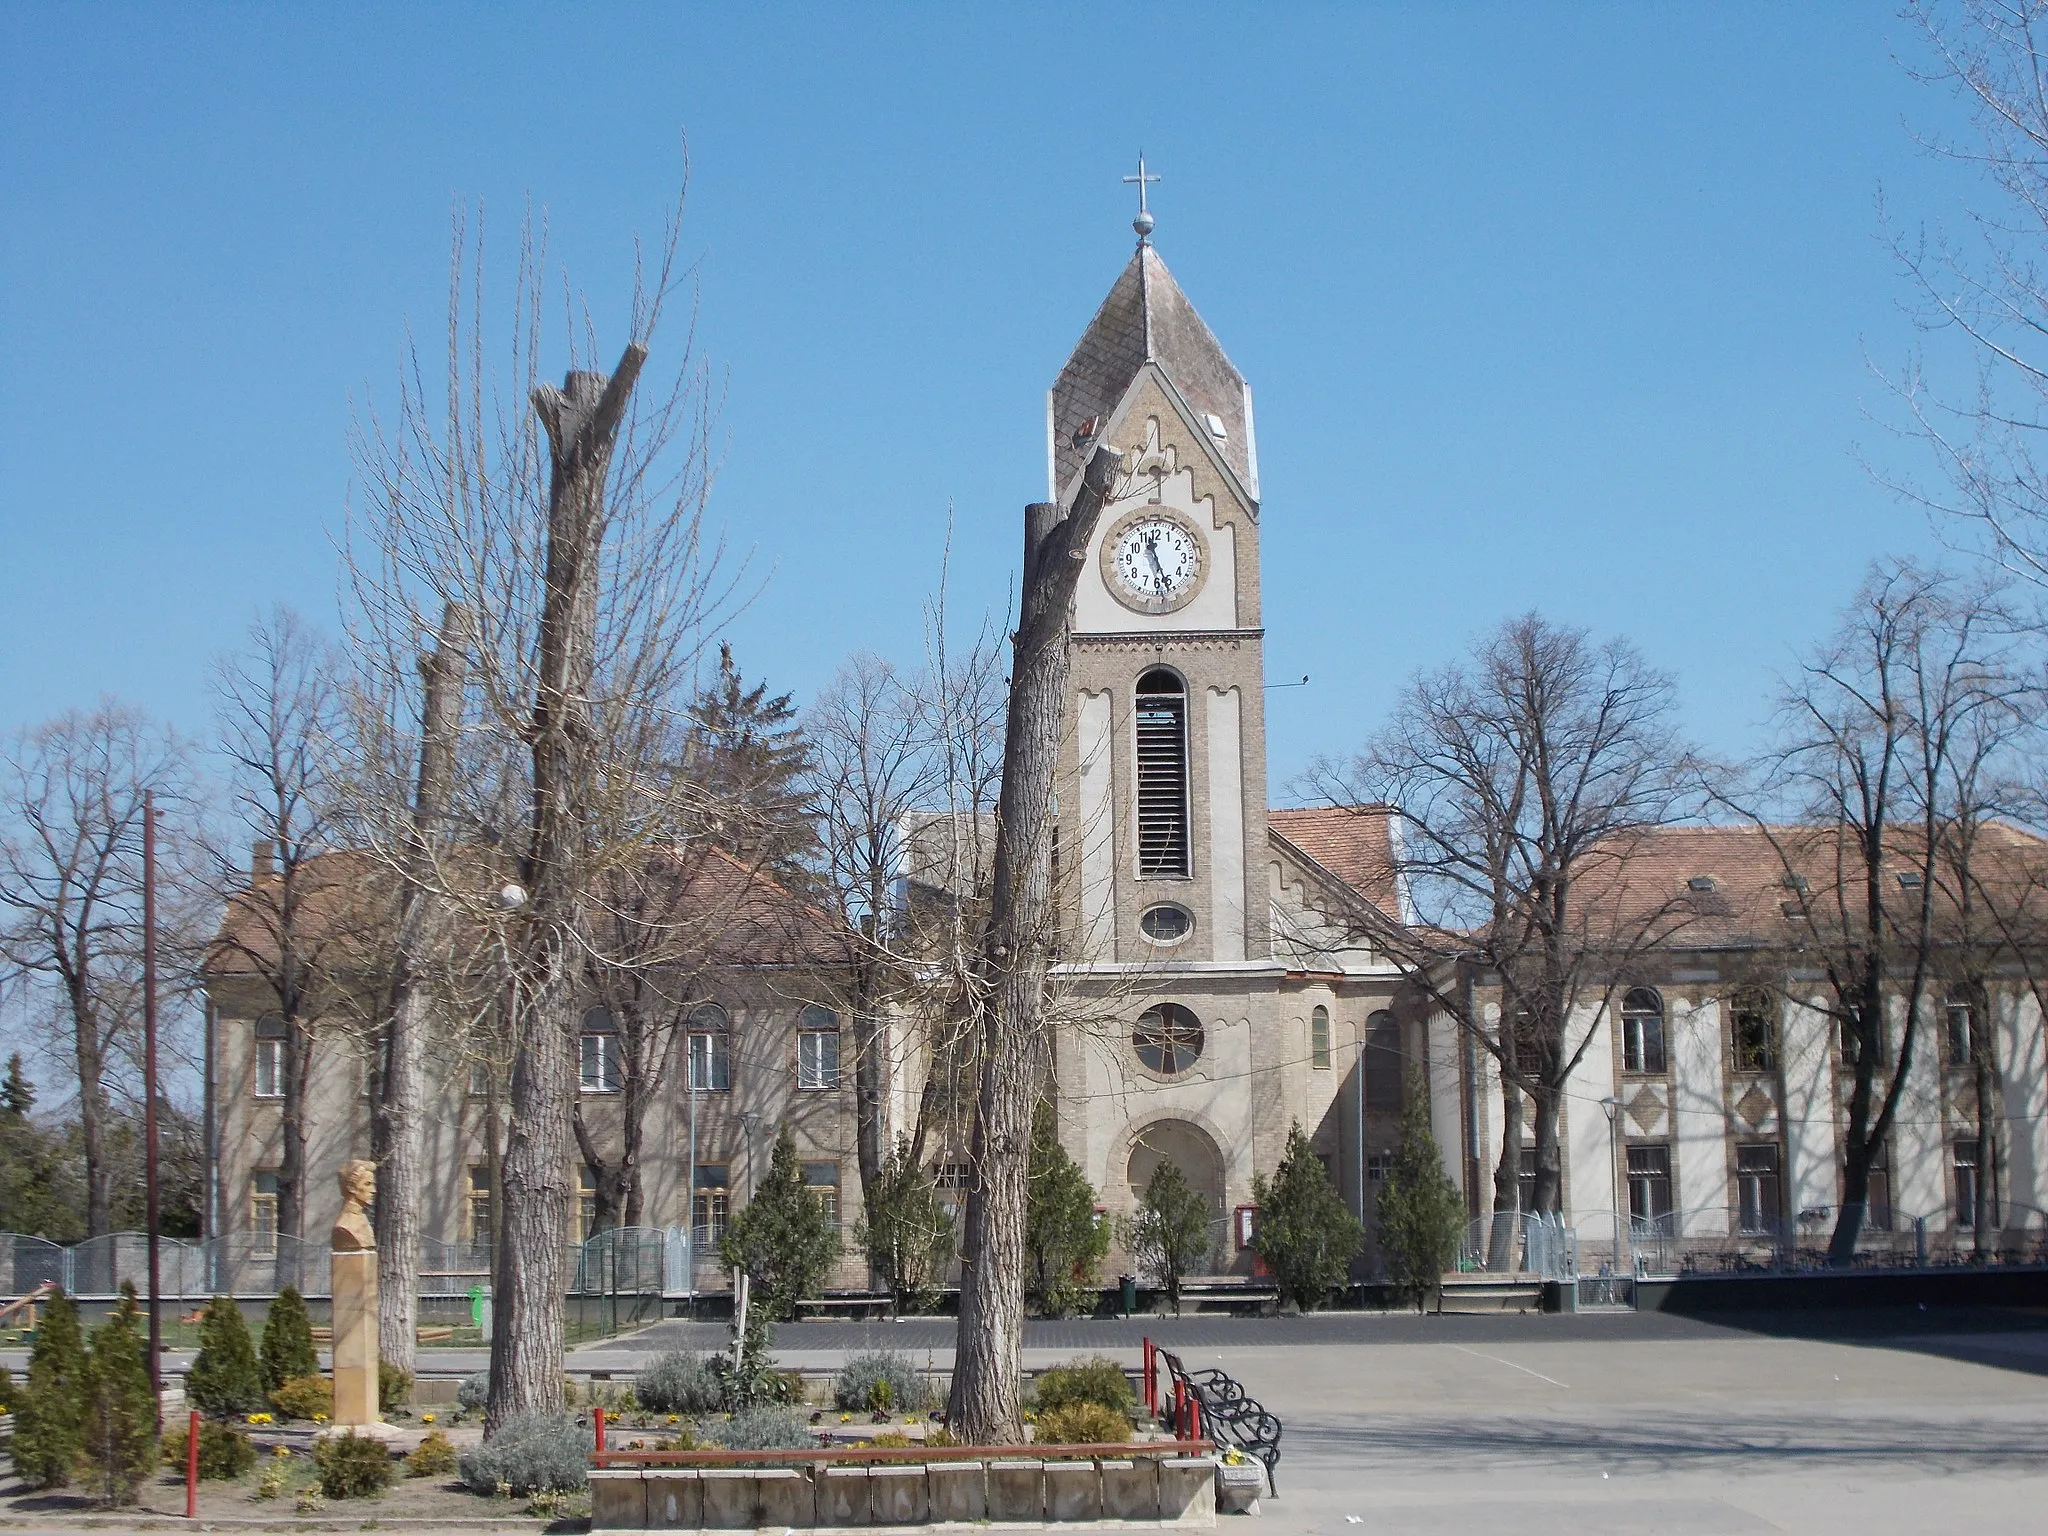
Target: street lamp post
column 1613, row 1107
column 149, row 1127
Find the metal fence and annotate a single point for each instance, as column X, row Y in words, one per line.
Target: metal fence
column 1520, row 1242
column 1730, row 1240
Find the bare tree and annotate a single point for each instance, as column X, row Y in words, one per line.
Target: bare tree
column 71, row 793
column 1523, row 782
column 1880, row 789
column 1012, row 1032
column 574, row 539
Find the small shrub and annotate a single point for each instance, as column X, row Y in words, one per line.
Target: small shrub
column 288, row 1341
column 1098, row 1380
column 304, row 1397
column 225, row 1381
column 47, row 1418
column 272, row 1482
column 1083, row 1423
column 678, row 1382
column 119, row 1410
column 882, row 1380
column 225, row 1453
column 530, row 1454
column 433, row 1457
column 569, row 1396
column 394, row 1386
column 767, row 1428
column 352, row 1466
column 6, row 1389
column 939, row 1438
column 888, row 1440
column 474, row 1391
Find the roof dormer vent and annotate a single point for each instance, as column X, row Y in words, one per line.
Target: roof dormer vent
column 1216, row 428
column 1701, row 883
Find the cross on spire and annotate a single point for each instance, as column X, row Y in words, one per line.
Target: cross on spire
column 1143, row 222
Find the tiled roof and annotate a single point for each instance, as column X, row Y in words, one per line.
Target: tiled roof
column 1146, row 316
column 1353, row 842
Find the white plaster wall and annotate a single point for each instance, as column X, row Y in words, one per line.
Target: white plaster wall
column 1226, row 824
column 1096, row 610
column 1486, row 1109
column 2020, row 1057
column 1098, row 828
column 1919, row 1151
column 1589, row 1142
column 1215, row 1095
column 1699, row 1119
column 1441, row 1054
column 1811, row 1146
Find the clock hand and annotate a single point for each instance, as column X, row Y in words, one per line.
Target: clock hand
column 1152, row 554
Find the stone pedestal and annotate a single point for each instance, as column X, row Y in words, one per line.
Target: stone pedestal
column 1130, row 1489
column 675, row 1499
column 842, row 1495
column 1187, row 1490
column 898, row 1492
column 1016, row 1490
column 957, row 1491
column 1073, row 1491
column 355, row 1342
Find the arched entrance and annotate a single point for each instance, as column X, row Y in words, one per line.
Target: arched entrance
column 1188, row 1147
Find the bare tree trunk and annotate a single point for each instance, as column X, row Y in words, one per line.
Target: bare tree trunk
column 1548, row 1195
column 92, row 1109
column 396, row 1125
column 291, row 1161
column 1507, row 1179
column 582, row 421
column 1014, row 1047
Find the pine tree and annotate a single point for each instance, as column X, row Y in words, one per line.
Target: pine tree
column 118, row 1421
column 749, row 760
column 783, row 1239
column 288, row 1341
column 1421, row 1212
column 17, row 1093
column 225, row 1381
column 1063, row 1241
column 1169, row 1235
column 1305, row 1234
column 907, row 1231
column 46, row 1420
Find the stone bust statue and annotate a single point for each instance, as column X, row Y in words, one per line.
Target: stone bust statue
column 352, row 1230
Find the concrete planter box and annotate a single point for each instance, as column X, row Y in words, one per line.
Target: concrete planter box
column 783, row 1497
column 675, row 1499
column 1187, row 1490
column 842, row 1495
column 957, row 1491
column 1130, row 1489
column 1073, row 1491
column 729, row 1498
column 618, row 1501
column 898, row 1494
column 1016, row 1490
column 1239, row 1488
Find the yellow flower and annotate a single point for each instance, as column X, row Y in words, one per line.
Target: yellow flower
column 319, row 1418
column 259, row 1418
column 846, row 1418
column 426, row 1418
column 672, row 1418
column 282, row 1453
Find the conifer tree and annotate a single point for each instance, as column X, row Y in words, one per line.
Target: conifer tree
column 118, row 1422
column 1421, row 1211
column 46, row 1420
column 1305, row 1234
column 225, row 1381
column 749, row 759
column 1169, row 1235
column 907, row 1231
column 783, row 1239
column 1063, row 1241
column 17, row 1094
column 288, row 1341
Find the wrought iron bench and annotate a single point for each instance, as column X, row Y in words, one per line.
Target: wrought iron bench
column 1230, row 1415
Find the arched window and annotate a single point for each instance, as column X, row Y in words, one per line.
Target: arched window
column 710, row 1049
column 1382, row 1062
column 1642, row 1031
column 1319, row 1039
column 599, row 1055
column 817, row 1049
column 1168, row 1038
column 1162, row 775
column 1752, row 1036
column 270, row 1056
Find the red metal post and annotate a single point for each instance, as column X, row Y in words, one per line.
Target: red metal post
column 1194, row 1418
column 1151, row 1393
column 597, row 1422
column 192, row 1467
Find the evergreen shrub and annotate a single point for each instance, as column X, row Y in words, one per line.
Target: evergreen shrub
column 474, row 1391
column 1098, row 1380
column 678, row 1382
column 352, row 1466
column 881, row 1381
column 530, row 1453
column 394, row 1386
column 118, row 1418
column 225, row 1381
column 1083, row 1423
column 782, row 1238
column 767, row 1428
column 304, row 1397
column 1305, row 1234
column 225, row 1452
column 434, row 1456
column 288, row 1341
column 47, row 1418
column 6, row 1389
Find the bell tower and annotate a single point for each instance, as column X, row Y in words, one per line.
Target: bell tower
column 1163, row 794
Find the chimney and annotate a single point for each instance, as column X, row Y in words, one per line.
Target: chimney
column 263, row 859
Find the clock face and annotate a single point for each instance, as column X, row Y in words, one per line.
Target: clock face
column 1155, row 562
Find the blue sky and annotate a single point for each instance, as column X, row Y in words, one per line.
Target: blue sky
column 1560, row 307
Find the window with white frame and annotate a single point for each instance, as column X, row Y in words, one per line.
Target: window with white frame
column 822, row 1180
column 710, row 1207
column 270, row 1056
column 710, row 1050
column 1757, row 1189
column 586, row 1203
column 1752, row 1033
column 599, row 1052
column 1961, row 1032
column 1969, row 1170
column 263, row 1213
column 817, row 1049
column 1649, row 1186
column 1319, row 1039
column 1642, row 1032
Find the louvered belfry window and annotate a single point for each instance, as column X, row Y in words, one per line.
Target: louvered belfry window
column 1162, row 775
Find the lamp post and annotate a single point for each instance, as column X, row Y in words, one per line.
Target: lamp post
column 1613, row 1107
column 149, row 1128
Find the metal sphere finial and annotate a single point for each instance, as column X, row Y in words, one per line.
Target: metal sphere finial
column 1143, row 224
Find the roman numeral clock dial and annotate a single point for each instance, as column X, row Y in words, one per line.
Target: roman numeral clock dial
column 1153, row 561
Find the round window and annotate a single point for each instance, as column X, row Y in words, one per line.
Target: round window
column 1168, row 1038
column 1166, row 924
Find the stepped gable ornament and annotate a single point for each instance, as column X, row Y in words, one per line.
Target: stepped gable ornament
column 352, row 1230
